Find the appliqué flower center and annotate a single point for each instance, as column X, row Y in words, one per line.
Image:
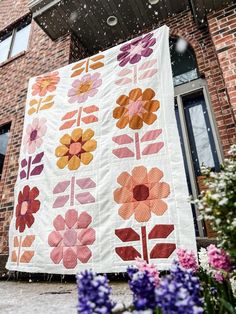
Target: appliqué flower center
column 70, row 237
column 33, row 135
column 84, row 87
column 45, row 83
column 24, row 208
column 136, row 49
column 135, row 107
column 141, row 192
column 75, row 148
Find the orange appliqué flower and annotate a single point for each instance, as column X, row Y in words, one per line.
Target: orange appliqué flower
column 141, row 193
column 46, row 83
column 136, row 109
column 76, row 149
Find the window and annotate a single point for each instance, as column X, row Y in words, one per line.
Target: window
column 15, row 41
column 4, row 137
column 184, row 64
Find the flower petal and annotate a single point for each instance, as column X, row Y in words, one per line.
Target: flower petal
column 123, row 195
column 62, row 162
column 136, row 122
column 84, row 220
column 142, row 212
column 59, row 223
column 158, row 207
column 86, row 236
column 139, row 175
column 149, row 117
column 148, row 94
column 122, row 122
column 155, row 175
column 76, row 134
column 69, row 258
column 74, row 163
column 125, row 179
column 83, row 253
column 159, row 190
column 135, row 93
column 61, row 151
column 54, row 238
column 123, row 100
column 65, row 139
column 87, row 135
column 86, row 158
column 90, row 146
column 152, row 105
column 126, row 210
column 57, row 254
column 71, row 218
column 118, row 112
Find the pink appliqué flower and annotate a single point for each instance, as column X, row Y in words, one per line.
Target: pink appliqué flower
column 71, row 239
column 84, row 88
column 133, row 51
column 187, row 259
column 150, row 268
column 218, row 258
column 34, row 134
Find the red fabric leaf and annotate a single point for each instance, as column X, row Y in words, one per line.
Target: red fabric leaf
column 160, row 231
column 127, row 234
column 162, row 250
column 127, row 253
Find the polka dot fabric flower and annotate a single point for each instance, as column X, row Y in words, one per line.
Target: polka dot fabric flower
column 76, row 149
column 45, row 84
column 35, row 132
column 84, row 88
column 27, row 206
column 141, row 193
column 137, row 49
column 136, row 108
column 71, row 238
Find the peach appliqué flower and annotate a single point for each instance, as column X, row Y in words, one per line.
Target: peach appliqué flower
column 76, row 149
column 46, row 83
column 141, row 193
column 136, row 109
column 71, row 238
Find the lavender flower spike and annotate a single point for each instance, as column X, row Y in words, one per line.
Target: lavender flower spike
column 93, row 293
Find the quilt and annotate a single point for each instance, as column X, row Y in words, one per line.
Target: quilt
column 101, row 176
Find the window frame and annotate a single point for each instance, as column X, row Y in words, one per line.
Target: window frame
column 12, row 33
column 179, row 92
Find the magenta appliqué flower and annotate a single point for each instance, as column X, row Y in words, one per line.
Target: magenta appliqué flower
column 218, row 258
column 71, row 238
column 84, row 88
column 187, row 259
column 34, row 134
column 133, row 51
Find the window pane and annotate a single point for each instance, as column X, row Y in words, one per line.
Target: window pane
column 4, row 136
column 4, row 48
column 21, row 40
column 200, row 133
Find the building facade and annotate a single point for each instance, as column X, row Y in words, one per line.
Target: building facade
column 203, row 51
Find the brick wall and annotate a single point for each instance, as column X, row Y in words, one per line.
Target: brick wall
column 222, row 26
column 44, row 55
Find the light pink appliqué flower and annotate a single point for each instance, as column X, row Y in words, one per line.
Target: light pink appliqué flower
column 187, row 259
column 71, row 239
column 34, row 134
column 84, row 88
column 150, row 268
column 218, row 258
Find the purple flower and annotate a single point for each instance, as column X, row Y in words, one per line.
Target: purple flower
column 93, row 293
column 142, row 284
column 133, row 51
column 179, row 292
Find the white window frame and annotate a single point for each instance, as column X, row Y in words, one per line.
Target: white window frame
column 180, row 91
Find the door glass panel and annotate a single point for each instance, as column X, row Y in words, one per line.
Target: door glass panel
column 4, row 136
column 200, row 133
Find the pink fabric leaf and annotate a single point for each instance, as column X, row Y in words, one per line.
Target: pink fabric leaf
column 23, row 163
column 151, row 135
column 123, row 152
column 85, row 198
column 22, row 174
column 148, row 64
column 124, row 72
column 148, row 74
column 60, row 201
column 90, row 109
column 61, row 187
column 38, row 158
column 123, row 81
column 86, row 183
column 122, row 139
column 37, row 170
column 153, row 148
